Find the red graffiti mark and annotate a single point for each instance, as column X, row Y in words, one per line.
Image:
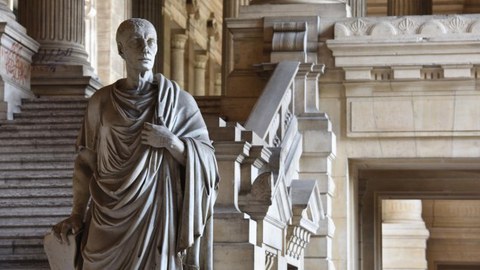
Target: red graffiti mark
column 15, row 66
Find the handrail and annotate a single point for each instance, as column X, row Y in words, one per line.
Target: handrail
column 263, row 114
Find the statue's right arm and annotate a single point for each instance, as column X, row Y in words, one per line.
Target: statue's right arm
column 82, row 175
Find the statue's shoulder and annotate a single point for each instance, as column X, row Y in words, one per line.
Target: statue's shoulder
column 100, row 96
column 184, row 97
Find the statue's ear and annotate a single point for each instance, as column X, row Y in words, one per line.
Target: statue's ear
column 120, row 50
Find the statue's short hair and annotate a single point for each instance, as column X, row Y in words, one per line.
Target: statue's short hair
column 132, row 24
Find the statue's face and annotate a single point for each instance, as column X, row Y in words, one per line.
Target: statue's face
column 139, row 47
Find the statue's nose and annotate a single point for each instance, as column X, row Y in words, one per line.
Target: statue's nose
column 144, row 46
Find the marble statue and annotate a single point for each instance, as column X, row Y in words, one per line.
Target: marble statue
column 145, row 177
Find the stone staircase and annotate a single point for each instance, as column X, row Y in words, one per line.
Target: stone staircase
column 37, row 151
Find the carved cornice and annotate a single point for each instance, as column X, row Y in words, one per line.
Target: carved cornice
column 425, row 26
column 407, row 48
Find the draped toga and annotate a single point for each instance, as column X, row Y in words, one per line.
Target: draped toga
column 146, row 209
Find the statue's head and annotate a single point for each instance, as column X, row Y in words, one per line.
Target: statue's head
column 137, row 43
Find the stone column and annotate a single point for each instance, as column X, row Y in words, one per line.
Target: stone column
column 409, row 7
column 404, row 235
column 60, row 67
column 178, row 58
column 16, row 51
column 5, row 12
column 199, row 75
column 357, row 7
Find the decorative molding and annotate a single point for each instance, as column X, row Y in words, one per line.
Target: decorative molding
column 298, row 239
column 289, row 36
column 409, row 25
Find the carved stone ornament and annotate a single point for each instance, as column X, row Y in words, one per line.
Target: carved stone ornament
column 411, row 25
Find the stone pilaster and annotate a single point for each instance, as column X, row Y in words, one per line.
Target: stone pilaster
column 199, row 75
column 60, row 67
column 178, row 58
column 16, row 51
column 316, row 163
column 409, row 7
column 404, row 235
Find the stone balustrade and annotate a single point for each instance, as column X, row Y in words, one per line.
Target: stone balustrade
column 275, row 213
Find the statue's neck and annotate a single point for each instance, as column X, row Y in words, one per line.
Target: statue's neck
column 138, row 80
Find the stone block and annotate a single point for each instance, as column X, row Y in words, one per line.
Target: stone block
column 319, row 247
column 238, row 257
column 406, row 72
column 457, row 71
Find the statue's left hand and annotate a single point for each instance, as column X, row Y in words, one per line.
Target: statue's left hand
column 159, row 136
column 71, row 225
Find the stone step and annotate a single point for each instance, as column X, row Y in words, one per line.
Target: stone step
column 31, row 216
column 38, row 182
column 29, row 232
column 26, row 149
column 11, row 246
column 48, row 113
column 35, row 106
column 36, row 174
column 34, row 192
column 53, row 126
column 45, row 120
column 29, row 226
column 33, row 157
column 16, row 166
column 24, row 262
column 37, row 141
column 14, row 134
column 38, row 202
column 54, row 100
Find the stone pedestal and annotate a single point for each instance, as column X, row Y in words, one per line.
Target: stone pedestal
column 404, row 235
column 16, row 50
column 60, row 67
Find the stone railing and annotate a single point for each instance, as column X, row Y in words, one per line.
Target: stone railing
column 272, row 113
column 259, row 166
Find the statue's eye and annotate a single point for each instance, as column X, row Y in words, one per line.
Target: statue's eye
column 135, row 42
column 151, row 41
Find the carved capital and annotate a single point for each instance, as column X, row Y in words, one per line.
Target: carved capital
column 179, row 41
column 201, row 61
